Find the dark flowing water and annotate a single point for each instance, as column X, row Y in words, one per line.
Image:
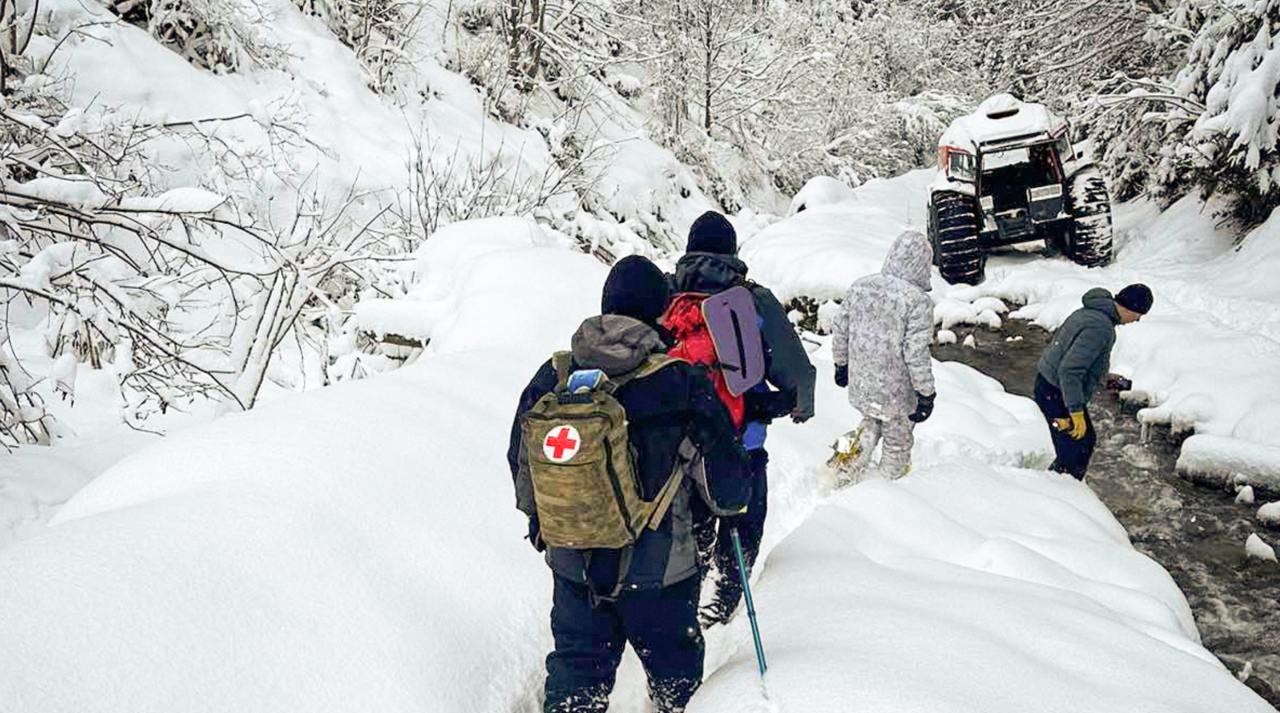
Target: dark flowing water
column 1195, row 532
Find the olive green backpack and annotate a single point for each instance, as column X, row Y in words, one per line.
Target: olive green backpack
column 585, row 487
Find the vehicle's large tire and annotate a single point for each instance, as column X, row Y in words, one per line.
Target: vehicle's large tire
column 1089, row 202
column 953, row 229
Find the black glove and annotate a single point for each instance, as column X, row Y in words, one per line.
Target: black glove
column 842, row 375
column 1115, row 382
column 924, row 408
column 764, row 406
column 800, row 415
column 535, row 534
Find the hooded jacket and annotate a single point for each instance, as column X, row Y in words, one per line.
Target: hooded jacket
column 672, row 412
column 1080, row 354
column 787, row 364
column 884, row 329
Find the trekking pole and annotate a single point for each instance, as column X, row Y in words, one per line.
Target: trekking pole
column 746, row 593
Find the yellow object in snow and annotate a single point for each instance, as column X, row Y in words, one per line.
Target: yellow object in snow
column 846, row 450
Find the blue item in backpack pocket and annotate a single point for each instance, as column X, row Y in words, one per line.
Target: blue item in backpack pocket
column 753, row 436
column 585, row 380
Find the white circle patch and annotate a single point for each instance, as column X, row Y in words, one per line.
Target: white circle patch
column 561, row 444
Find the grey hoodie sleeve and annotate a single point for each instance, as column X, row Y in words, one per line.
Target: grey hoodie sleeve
column 789, row 367
column 1092, row 343
column 915, row 345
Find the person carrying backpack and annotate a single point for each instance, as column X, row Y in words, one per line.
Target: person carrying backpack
column 709, row 267
column 881, row 349
column 612, row 444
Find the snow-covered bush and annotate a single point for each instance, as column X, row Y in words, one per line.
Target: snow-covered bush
column 176, row 255
column 1228, row 90
column 218, row 35
column 379, row 32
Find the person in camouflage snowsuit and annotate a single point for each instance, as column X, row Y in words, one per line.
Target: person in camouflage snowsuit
column 881, row 350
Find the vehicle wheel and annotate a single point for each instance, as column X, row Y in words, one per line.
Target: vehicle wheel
column 953, row 230
column 1090, row 240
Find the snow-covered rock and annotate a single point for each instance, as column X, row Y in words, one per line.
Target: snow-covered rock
column 1269, row 514
column 1256, row 548
column 1245, row 496
column 821, row 191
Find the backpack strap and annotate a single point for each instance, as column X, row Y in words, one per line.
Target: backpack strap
column 563, row 364
column 667, row 495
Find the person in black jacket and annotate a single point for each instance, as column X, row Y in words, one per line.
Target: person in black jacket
column 710, row 265
column 1073, row 366
column 646, row 594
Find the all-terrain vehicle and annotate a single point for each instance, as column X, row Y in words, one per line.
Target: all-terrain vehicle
column 1008, row 174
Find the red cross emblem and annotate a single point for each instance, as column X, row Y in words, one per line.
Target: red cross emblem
column 561, row 444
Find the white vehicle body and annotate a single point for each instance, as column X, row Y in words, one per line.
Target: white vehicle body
column 1002, row 123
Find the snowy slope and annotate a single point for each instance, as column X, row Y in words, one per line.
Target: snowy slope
column 311, row 130
column 357, row 548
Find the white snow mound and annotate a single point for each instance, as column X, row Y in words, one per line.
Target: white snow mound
column 968, row 588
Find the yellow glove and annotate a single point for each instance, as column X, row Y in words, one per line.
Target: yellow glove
column 1075, row 427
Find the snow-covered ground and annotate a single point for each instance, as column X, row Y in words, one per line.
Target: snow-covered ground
column 970, row 588
column 357, row 548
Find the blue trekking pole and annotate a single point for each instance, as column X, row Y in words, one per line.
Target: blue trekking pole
column 746, row 593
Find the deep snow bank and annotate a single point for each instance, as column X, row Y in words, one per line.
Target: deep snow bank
column 970, row 588
column 354, row 548
column 818, row 252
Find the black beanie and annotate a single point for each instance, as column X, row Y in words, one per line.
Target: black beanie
column 636, row 288
column 1136, row 298
column 712, row 233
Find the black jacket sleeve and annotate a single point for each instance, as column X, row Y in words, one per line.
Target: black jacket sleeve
column 789, row 367
column 710, row 428
column 544, row 382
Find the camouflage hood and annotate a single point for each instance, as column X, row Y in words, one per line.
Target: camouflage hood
column 614, row 344
column 909, row 259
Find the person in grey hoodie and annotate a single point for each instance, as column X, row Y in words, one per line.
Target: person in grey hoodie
column 881, row 350
column 1074, row 365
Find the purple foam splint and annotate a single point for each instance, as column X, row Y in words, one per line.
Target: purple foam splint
column 735, row 330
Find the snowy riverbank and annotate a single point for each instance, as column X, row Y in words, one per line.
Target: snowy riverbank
column 1203, row 361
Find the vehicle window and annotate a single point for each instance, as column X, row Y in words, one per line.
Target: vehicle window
column 1000, row 159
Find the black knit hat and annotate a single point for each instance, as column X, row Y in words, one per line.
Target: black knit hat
column 636, row 288
column 1136, row 298
column 712, row 233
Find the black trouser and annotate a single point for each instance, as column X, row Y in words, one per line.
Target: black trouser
column 590, row 635
column 1072, row 455
column 750, row 526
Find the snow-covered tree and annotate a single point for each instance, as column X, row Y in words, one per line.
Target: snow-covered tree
column 1209, row 123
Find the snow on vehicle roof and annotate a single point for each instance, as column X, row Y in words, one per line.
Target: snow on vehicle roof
column 1000, row 116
